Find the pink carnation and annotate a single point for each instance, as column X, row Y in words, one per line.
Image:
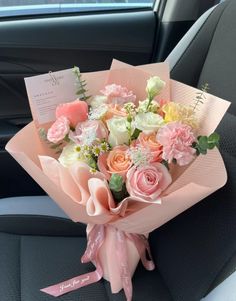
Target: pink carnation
column 59, row 129
column 118, row 94
column 177, row 139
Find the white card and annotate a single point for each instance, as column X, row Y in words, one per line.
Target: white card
column 47, row 91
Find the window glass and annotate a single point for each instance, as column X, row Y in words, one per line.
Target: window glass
column 35, row 7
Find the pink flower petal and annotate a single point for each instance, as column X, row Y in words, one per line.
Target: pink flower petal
column 76, row 111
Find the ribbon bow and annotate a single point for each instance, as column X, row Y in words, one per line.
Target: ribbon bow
column 96, row 238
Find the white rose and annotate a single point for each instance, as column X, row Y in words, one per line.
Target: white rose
column 148, row 122
column 153, row 107
column 69, row 155
column 154, row 86
column 118, row 131
column 97, row 101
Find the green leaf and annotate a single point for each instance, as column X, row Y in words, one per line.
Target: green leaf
column 119, row 196
column 214, row 138
column 197, row 152
column 174, row 161
column 135, row 134
column 81, row 91
column 55, row 146
column 203, row 142
column 211, row 145
column 81, row 84
column 199, row 99
column 116, row 182
column 86, row 97
column 92, row 163
column 43, row 133
column 166, row 164
column 66, row 138
column 202, row 151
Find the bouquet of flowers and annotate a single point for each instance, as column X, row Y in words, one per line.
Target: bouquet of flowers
column 125, row 161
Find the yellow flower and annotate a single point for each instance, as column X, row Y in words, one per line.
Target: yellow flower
column 180, row 112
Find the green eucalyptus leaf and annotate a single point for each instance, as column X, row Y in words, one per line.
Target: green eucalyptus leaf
column 92, row 163
column 202, row 151
column 120, row 195
column 211, row 145
column 197, row 152
column 116, row 182
column 203, row 142
column 43, row 133
column 214, row 138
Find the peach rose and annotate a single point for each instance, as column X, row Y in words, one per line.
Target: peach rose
column 115, row 110
column 148, row 181
column 149, row 142
column 75, row 111
column 116, row 161
column 59, row 129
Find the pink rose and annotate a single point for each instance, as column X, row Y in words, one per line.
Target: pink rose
column 116, row 161
column 88, row 131
column 76, row 111
column 149, row 142
column 117, row 94
column 177, row 140
column 148, row 182
column 59, row 129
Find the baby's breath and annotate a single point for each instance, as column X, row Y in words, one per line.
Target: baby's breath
column 129, row 107
column 140, row 156
column 98, row 113
column 88, row 137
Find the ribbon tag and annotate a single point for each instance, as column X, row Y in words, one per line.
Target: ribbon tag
column 95, row 241
column 96, row 238
column 142, row 245
column 122, row 256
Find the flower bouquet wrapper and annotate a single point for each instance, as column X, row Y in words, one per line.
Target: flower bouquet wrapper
column 117, row 236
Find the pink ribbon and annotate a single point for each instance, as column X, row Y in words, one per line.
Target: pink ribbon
column 96, row 238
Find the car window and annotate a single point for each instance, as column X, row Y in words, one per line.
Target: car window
column 37, row 7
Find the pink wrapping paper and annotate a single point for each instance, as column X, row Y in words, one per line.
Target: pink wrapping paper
column 70, row 191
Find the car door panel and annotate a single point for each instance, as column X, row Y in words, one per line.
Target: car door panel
column 34, row 46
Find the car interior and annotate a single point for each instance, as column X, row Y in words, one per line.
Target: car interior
column 195, row 253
